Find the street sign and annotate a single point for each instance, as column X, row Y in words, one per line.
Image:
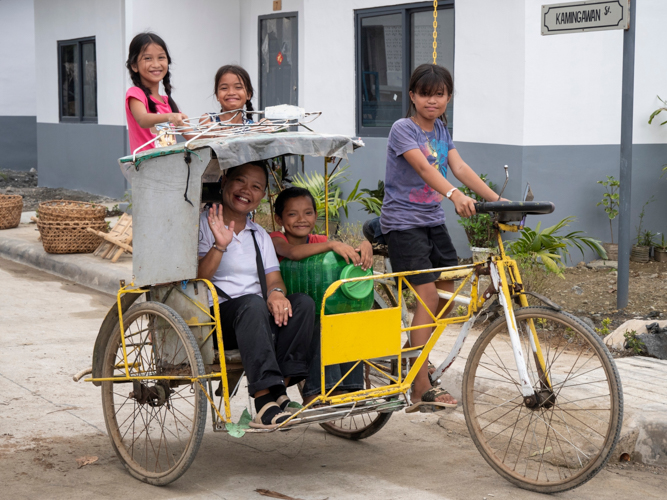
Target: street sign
column 591, row 15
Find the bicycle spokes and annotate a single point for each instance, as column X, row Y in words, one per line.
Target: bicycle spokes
column 565, row 428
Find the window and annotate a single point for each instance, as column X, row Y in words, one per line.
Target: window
column 391, row 42
column 78, row 80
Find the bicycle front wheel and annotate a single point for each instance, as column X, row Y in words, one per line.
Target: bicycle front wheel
column 155, row 425
column 563, row 436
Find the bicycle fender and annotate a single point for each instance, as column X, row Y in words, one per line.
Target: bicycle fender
column 547, row 302
column 106, row 329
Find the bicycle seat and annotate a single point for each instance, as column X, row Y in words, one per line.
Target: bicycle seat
column 373, row 234
column 509, row 211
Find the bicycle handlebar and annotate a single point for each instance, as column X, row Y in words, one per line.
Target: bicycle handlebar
column 525, row 207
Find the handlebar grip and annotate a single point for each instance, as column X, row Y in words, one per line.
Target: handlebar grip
column 526, row 207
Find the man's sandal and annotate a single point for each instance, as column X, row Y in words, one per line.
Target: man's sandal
column 428, row 403
column 278, row 418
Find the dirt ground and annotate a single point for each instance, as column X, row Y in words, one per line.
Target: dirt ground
column 592, row 293
column 25, row 184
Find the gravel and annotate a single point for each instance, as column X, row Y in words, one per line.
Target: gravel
column 25, row 184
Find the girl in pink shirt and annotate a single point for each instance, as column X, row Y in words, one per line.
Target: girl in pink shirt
column 148, row 64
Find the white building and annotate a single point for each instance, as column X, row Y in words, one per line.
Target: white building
column 548, row 106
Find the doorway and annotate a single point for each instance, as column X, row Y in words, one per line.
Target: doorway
column 278, row 59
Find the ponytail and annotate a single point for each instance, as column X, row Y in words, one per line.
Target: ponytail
column 167, row 88
column 136, row 79
column 248, row 107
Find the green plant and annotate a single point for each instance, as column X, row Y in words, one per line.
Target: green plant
column 314, row 182
column 479, row 228
column 610, row 200
column 461, row 311
column 127, row 197
column 647, row 239
column 374, row 194
column 641, row 235
column 603, row 331
column 663, row 243
column 650, row 120
column 658, row 111
column 547, row 248
column 632, row 342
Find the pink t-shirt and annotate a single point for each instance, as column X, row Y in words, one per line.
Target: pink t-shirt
column 312, row 238
column 138, row 135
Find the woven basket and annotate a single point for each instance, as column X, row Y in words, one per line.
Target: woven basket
column 65, row 210
column 70, row 237
column 11, row 206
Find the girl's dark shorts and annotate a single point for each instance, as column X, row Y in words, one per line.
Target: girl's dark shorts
column 421, row 248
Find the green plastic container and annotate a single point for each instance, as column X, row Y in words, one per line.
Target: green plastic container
column 314, row 274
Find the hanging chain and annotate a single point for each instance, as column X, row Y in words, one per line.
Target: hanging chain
column 435, row 31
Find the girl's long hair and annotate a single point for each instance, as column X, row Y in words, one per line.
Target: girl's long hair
column 429, row 79
column 245, row 80
column 137, row 46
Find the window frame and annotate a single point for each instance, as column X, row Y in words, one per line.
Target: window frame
column 406, row 10
column 79, row 118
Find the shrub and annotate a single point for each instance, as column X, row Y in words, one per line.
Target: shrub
column 603, row 331
column 547, row 248
column 314, row 182
column 479, row 228
column 632, row 342
column 610, row 200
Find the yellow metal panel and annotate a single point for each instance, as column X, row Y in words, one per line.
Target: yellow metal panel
column 361, row 335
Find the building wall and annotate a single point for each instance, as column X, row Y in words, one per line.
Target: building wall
column 547, row 106
column 201, row 36
column 81, row 155
column 249, row 53
column 18, row 140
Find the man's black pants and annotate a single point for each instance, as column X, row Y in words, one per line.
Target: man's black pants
column 269, row 352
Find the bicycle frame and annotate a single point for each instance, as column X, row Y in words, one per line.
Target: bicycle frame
column 362, row 337
column 367, row 337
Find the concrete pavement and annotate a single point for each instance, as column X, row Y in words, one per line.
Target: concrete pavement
column 644, row 434
column 21, row 245
column 47, row 421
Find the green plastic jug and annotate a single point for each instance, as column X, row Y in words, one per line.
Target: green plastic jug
column 314, row 274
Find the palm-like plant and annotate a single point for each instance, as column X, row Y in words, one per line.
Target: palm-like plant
column 314, row 182
column 546, row 247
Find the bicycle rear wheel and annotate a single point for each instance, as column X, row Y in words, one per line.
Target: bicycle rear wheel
column 155, row 425
column 366, row 424
column 564, row 436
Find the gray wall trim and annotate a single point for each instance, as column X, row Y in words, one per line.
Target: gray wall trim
column 18, row 142
column 81, row 156
column 566, row 175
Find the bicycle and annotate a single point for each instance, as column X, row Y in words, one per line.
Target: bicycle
column 541, row 395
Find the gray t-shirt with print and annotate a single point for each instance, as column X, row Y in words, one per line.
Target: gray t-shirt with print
column 408, row 201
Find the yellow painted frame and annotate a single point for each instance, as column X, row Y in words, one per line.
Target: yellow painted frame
column 348, row 326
